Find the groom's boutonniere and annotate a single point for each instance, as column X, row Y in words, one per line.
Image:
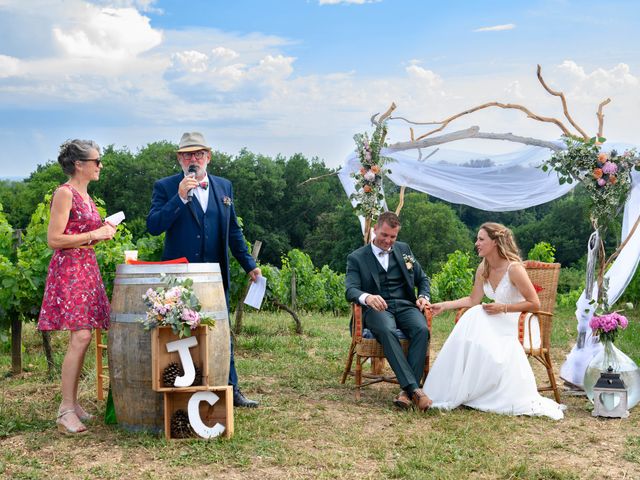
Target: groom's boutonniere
column 227, row 201
column 409, row 260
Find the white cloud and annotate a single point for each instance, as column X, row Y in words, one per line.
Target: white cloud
column 600, row 79
column 9, row 66
column 142, row 5
column 108, row 33
column 514, row 90
column 272, row 69
column 224, row 54
column 426, row 77
column 353, row 2
column 496, row 28
column 191, row 61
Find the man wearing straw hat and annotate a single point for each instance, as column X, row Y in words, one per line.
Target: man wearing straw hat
column 196, row 211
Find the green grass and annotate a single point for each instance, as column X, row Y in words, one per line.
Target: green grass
column 308, row 424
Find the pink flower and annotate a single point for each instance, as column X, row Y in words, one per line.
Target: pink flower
column 602, row 182
column 609, row 168
column 191, row 317
column 369, row 176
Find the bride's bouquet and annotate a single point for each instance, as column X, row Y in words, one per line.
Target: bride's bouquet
column 174, row 305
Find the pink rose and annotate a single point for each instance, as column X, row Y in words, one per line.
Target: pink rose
column 602, row 182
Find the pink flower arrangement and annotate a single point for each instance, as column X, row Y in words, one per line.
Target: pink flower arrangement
column 175, row 305
column 606, row 326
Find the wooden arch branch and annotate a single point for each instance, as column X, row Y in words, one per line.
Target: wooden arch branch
column 600, row 115
column 513, row 106
column 472, row 132
column 564, row 103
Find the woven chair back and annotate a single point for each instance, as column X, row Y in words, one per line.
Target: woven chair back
column 544, row 277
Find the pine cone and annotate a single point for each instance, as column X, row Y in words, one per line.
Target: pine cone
column 180, row 426
column 170, row 373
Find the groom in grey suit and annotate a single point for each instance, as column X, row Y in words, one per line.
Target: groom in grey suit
column 383, row 277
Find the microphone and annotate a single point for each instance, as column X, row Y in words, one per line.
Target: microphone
column 193, row 169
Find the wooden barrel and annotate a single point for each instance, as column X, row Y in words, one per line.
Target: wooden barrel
column 137, row 406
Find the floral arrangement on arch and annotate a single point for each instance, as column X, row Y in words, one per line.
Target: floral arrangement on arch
column 368, row 180
column 174, row 305
column 605, row 176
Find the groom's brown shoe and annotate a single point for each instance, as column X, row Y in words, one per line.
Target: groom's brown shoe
column 402, row 400
column 421, row 400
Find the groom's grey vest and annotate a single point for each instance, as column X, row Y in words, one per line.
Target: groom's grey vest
column 392, row 282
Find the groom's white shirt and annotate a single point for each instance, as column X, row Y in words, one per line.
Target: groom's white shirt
column 383, row 260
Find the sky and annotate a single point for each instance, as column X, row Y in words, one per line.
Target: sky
column 280, row 77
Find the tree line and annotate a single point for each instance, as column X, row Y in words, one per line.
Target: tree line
column 279, row 208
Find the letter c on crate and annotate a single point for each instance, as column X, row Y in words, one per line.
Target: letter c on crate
column 194, row 415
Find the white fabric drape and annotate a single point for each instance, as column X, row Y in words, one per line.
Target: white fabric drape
column 513, row 181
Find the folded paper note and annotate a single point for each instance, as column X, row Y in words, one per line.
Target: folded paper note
column 115, row 219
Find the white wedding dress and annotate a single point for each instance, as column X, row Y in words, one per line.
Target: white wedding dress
column 482, row 364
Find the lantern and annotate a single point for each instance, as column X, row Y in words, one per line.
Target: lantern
column 610, row 396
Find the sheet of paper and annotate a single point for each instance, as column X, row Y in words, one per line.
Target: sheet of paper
column 255, row 295
column 115, row 219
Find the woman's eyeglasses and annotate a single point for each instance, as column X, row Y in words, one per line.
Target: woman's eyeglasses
column 97, row 160
column 199, row 155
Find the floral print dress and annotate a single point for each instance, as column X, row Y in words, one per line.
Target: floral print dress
column 74, row 295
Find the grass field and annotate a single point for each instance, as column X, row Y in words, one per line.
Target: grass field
column 309, row 426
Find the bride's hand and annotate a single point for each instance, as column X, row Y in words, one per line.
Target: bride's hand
column 494, row 308
column 436, row 308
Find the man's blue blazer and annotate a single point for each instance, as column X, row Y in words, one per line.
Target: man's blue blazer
column 199, row 236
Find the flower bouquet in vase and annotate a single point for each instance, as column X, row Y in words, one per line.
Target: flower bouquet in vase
column 607, row 326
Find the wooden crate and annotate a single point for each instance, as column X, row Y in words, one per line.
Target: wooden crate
column 160, row 358
column 220, row 412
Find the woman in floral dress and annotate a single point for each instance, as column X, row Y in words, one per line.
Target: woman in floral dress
column 74, row 296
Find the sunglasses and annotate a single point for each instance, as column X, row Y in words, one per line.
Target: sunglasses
column 199, row 155
column 97, row 160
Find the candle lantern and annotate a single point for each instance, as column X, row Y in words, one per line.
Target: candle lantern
column 610, row 396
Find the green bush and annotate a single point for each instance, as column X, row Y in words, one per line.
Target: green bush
column 455, row 280
column 542, row 252
column 571, row 279
column 333, row 284
column 568, row 299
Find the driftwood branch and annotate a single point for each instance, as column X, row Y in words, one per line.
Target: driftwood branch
column 401, row 202
column 600, row 115
column 384, row 116
column 513, row 106
column 320, row 177
column 564, row 103
column 471, row 132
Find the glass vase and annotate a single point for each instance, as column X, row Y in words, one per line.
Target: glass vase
column 620, row 363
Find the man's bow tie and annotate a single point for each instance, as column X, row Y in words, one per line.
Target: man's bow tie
column 382, row 253
column 204, row 185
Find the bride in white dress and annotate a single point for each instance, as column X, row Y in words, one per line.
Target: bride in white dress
column 482, row 364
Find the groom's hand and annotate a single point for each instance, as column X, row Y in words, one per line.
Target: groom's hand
column 376, row 302
column 423, row 303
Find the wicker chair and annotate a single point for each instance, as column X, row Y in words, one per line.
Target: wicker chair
column 369, row 348
column 537, row 341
